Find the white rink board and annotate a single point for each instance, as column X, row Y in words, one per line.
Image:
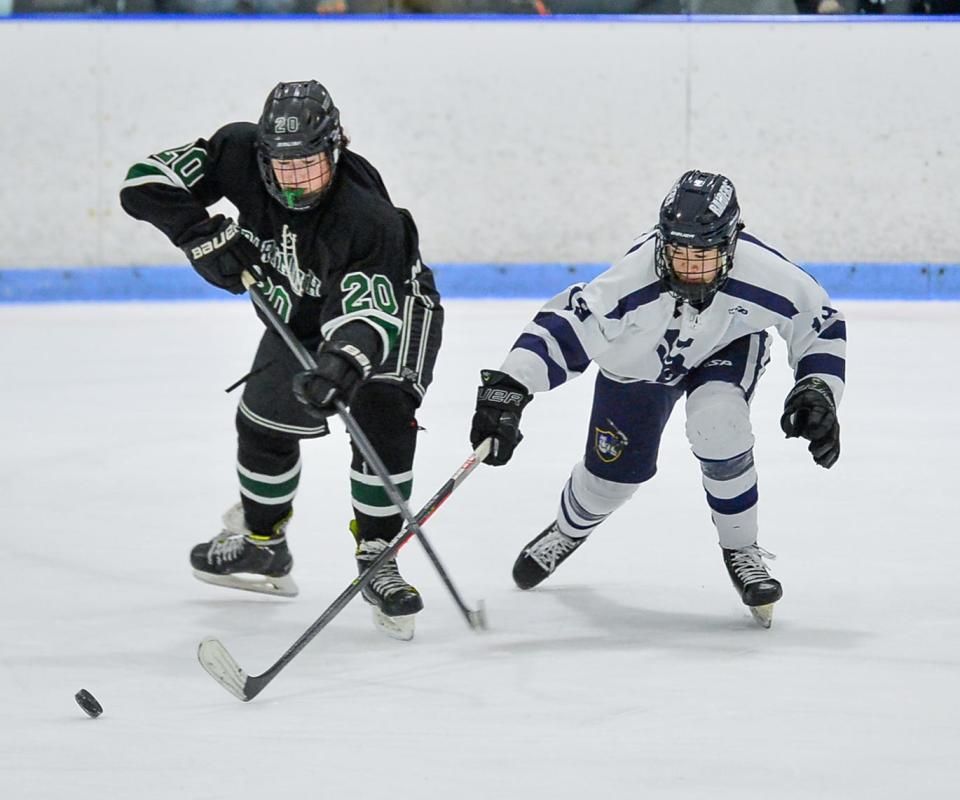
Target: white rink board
column 510, row 141
column 633, row 672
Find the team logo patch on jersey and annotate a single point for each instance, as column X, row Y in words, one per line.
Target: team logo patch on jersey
column 608, row 444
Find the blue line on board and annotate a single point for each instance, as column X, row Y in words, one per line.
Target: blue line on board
column 480, row 281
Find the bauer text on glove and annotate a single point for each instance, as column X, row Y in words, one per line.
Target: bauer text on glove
column 500, row 402
column 221, row 255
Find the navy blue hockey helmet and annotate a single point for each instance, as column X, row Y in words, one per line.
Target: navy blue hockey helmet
column 700, row 214
column 299, row 121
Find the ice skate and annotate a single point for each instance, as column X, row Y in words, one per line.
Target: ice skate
column 240, row 559
column 394, row 602
column 753, row 582
column 540, row 558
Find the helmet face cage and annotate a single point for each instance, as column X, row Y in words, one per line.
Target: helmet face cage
column 299, row 138
column 700, row 212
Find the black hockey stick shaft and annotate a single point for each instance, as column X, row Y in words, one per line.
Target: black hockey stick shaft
column 221, row 665
column 370, row 455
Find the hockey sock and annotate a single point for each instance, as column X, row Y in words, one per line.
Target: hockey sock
column 268, row 468
column 377, row 517
column 386, row 414
column 588, row 500
column 731, row 487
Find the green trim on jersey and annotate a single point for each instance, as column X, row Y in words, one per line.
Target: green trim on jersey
column 180, row 166
column 390, row 325
column 387, row 326
column 145, row 172
column 142, row 168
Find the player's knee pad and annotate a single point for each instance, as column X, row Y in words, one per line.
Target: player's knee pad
column 386, row 414
column 380, row 406
column 718, row 421
column 263, row 450
column 598, row 495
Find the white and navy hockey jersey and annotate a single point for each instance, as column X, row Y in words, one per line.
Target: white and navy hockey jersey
column 635, row 330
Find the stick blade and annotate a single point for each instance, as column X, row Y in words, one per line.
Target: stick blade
column 222, row 667
column 478, row 618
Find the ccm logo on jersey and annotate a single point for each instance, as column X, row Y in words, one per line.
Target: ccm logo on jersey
column 216, row 242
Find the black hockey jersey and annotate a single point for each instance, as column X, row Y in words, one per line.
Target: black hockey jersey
column 353, row 257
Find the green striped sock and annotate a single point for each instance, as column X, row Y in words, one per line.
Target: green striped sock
column 370, row 497
column 271, row 490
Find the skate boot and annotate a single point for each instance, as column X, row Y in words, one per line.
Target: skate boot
column 241, row 559
column 394, row 601
column 543, row 555
column 752, row 581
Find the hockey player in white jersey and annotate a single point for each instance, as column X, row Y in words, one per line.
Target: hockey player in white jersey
column 685, row 311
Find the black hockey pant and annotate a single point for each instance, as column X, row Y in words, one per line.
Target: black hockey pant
column 271, row 422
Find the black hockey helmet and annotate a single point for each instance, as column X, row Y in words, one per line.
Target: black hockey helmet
column 299, row 120
column 700, row 211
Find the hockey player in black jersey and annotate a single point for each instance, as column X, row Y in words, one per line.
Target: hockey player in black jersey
column 341, row 265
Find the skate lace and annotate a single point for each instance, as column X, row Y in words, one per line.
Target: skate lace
column 225, row 549
column 388, row 581
column 551, row 548
column 748, row 563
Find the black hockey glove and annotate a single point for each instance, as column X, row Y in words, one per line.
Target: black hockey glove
column 810, row 411
column 340, row 369
column 221, row 256
column 500, row 402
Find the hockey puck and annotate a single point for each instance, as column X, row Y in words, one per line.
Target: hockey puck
column 88, row 703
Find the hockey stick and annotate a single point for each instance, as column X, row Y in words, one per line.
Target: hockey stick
column 224, row 669
column 370, row 456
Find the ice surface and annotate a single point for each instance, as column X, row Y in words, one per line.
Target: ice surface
column 634, row 672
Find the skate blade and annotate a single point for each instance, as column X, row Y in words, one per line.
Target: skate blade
column 248, row 582
column 400, row 628
column 762, row 614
